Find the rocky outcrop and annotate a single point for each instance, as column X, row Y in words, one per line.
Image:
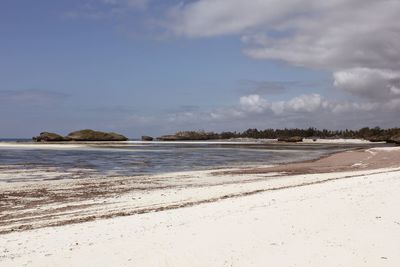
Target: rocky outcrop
column 49, row 137
column 147, row 138
column 82, row 135
column 190, row 136
column 292, row 139
column 170, row 138
column 91, row 135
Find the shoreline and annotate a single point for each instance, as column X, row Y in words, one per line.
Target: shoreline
column 259, row 153
column 328, row 163
column 31, row 205
column 10, row 142
column 339, row 218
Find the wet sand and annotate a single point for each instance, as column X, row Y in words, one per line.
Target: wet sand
column 362, row 159
column 176, row 215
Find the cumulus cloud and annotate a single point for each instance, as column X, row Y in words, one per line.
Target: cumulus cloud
column 306, row 103
column 377, row 84
column 301, row 111
column 357, row 40
column 254, row 103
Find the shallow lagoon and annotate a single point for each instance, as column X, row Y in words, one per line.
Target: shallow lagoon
column 85, row 160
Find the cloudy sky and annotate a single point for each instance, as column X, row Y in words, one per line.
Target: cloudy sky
column 157, row 66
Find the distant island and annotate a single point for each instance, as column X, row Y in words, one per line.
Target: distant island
column 82, row 135
column 376, row 134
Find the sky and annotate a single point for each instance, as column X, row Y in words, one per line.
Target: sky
column 158, row 66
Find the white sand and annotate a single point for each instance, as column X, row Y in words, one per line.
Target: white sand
column 338, row 141
column 394, row 148
column 353, row 221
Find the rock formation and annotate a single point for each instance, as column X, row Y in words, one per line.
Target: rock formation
column 190, row 136
column 90, row 135
column 147, row 138
column 82, row 135
column 169, row 138
column 49, row 137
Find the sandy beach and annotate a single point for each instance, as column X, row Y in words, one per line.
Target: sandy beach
column 209, row 133
column 340, row 210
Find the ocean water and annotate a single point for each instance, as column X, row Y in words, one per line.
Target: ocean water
column 29, row 161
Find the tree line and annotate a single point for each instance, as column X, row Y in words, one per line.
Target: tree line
column 372, row 134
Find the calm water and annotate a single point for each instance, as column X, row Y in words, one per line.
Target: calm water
column 136, row 158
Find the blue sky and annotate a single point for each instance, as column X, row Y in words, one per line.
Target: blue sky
column 154, row 67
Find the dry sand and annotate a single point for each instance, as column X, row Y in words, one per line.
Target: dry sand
column 341, row 210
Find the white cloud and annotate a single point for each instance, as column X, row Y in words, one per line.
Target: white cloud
column 207, row 18
column 310, row 31
column 253, row 103
column 305, row 103
column 347, row 107
column 357, row 40
column 260, row 112
column 370, row 83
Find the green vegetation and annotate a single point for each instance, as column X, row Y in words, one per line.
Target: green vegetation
column 373, row 134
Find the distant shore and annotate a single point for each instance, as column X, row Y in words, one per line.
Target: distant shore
column 21, row 142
